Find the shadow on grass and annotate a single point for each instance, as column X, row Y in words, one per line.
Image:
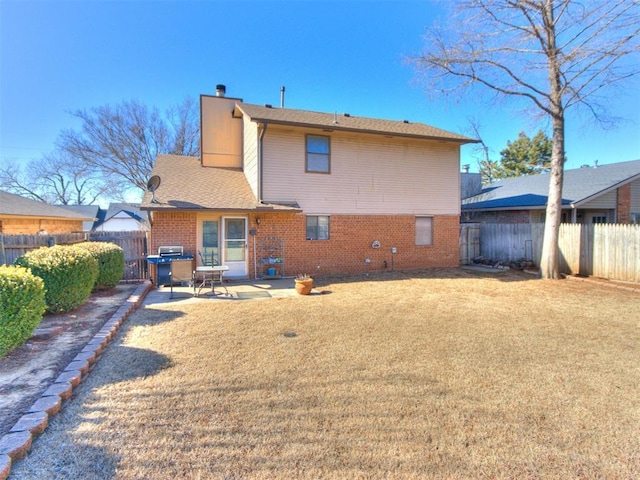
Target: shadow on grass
column 149, row 317
column 131, row 363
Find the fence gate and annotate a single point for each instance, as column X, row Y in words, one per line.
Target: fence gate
column 469, row 242
column 134, row 245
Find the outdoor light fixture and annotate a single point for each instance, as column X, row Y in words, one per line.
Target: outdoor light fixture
column 258, row 220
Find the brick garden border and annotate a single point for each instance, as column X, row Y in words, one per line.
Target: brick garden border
column 15, row 444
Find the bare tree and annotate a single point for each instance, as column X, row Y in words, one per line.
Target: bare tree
column 122, row 141
column 553, row 55
column 488, row 168
column 56, row 179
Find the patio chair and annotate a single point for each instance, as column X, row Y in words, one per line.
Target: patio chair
column 209, row 272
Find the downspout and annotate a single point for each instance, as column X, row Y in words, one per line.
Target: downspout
column 574, row 213
column 260, row 154
column 260, row 151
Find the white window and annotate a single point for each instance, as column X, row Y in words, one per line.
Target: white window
column 318, row 154
column 318, row 227
column 424, row 230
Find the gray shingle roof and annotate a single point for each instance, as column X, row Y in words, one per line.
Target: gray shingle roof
column 530, row 192
column 11, row 204
column 131, row 209
column 187, row 185
column 345, row 122
column 91, row 211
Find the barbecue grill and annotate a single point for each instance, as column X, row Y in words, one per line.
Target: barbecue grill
column 172, row 265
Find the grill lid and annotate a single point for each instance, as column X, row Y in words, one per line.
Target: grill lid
column 170, row 251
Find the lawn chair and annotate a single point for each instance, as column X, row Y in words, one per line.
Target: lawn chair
column 210, row 271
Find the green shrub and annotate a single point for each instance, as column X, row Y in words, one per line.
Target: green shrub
column 110, row 258
column 69, row 274
column 22, row 305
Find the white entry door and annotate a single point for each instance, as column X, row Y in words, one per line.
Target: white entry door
column 234, row 246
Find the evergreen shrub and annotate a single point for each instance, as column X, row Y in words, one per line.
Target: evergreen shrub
column 22, row 304
column 69, row 274
column 110, row 258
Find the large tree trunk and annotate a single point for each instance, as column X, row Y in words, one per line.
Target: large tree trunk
column 549, row 265
column 549, row 261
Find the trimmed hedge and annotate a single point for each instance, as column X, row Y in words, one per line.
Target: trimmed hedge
column 22, row 304
column 69, row 274
column 110, row 258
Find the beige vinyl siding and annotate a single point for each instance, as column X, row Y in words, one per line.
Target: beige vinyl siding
column 608, row 200
column 370, row 174
column 250, row 161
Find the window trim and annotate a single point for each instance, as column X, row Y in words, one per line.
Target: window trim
column 306, row 225
column 430, row 217
column 307, row 152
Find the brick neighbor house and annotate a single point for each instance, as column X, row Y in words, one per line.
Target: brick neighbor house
column 279, row 192
column 24, row 216
column 599, row 194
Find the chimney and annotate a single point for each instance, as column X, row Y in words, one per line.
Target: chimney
column 221, row 90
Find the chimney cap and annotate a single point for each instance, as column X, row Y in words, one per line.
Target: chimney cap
column 221, row 90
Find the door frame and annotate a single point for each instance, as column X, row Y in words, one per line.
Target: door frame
column 236, row 269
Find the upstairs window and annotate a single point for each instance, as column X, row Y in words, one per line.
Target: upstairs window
column 318, row 154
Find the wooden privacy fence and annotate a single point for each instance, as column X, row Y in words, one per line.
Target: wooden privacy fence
column 603, row 250
column 134, row 245
column 469, row 242
column 14, row 246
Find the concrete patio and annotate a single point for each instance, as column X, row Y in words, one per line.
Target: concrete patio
column 235, row 290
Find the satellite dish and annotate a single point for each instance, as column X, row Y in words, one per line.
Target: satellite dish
column 152, row 186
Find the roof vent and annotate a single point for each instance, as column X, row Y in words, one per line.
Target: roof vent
column 405, row 121
column 347, row 115
column 221, row 90
column 268, row 105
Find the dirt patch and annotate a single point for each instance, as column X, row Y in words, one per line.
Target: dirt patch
column 29, row 369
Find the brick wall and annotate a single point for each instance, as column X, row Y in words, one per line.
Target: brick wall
column 623, row 207
column 346, row 250
column 351, row 237
column 172, row 228
column 29, row 226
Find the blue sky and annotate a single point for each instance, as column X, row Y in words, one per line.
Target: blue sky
column 342, row 56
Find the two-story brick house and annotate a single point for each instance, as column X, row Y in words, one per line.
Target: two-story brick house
column 283, row 191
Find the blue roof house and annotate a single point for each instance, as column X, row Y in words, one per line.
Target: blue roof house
column 600, row 194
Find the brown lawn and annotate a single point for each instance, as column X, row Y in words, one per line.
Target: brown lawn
column 437, row 374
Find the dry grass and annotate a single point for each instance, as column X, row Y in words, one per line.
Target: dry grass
column 443, row 374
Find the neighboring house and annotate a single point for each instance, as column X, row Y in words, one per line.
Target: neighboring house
column 470, row 184
column 122, row 217
column 279, row 191
column 601, row 194
column 23, row 216
column 92, row 211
